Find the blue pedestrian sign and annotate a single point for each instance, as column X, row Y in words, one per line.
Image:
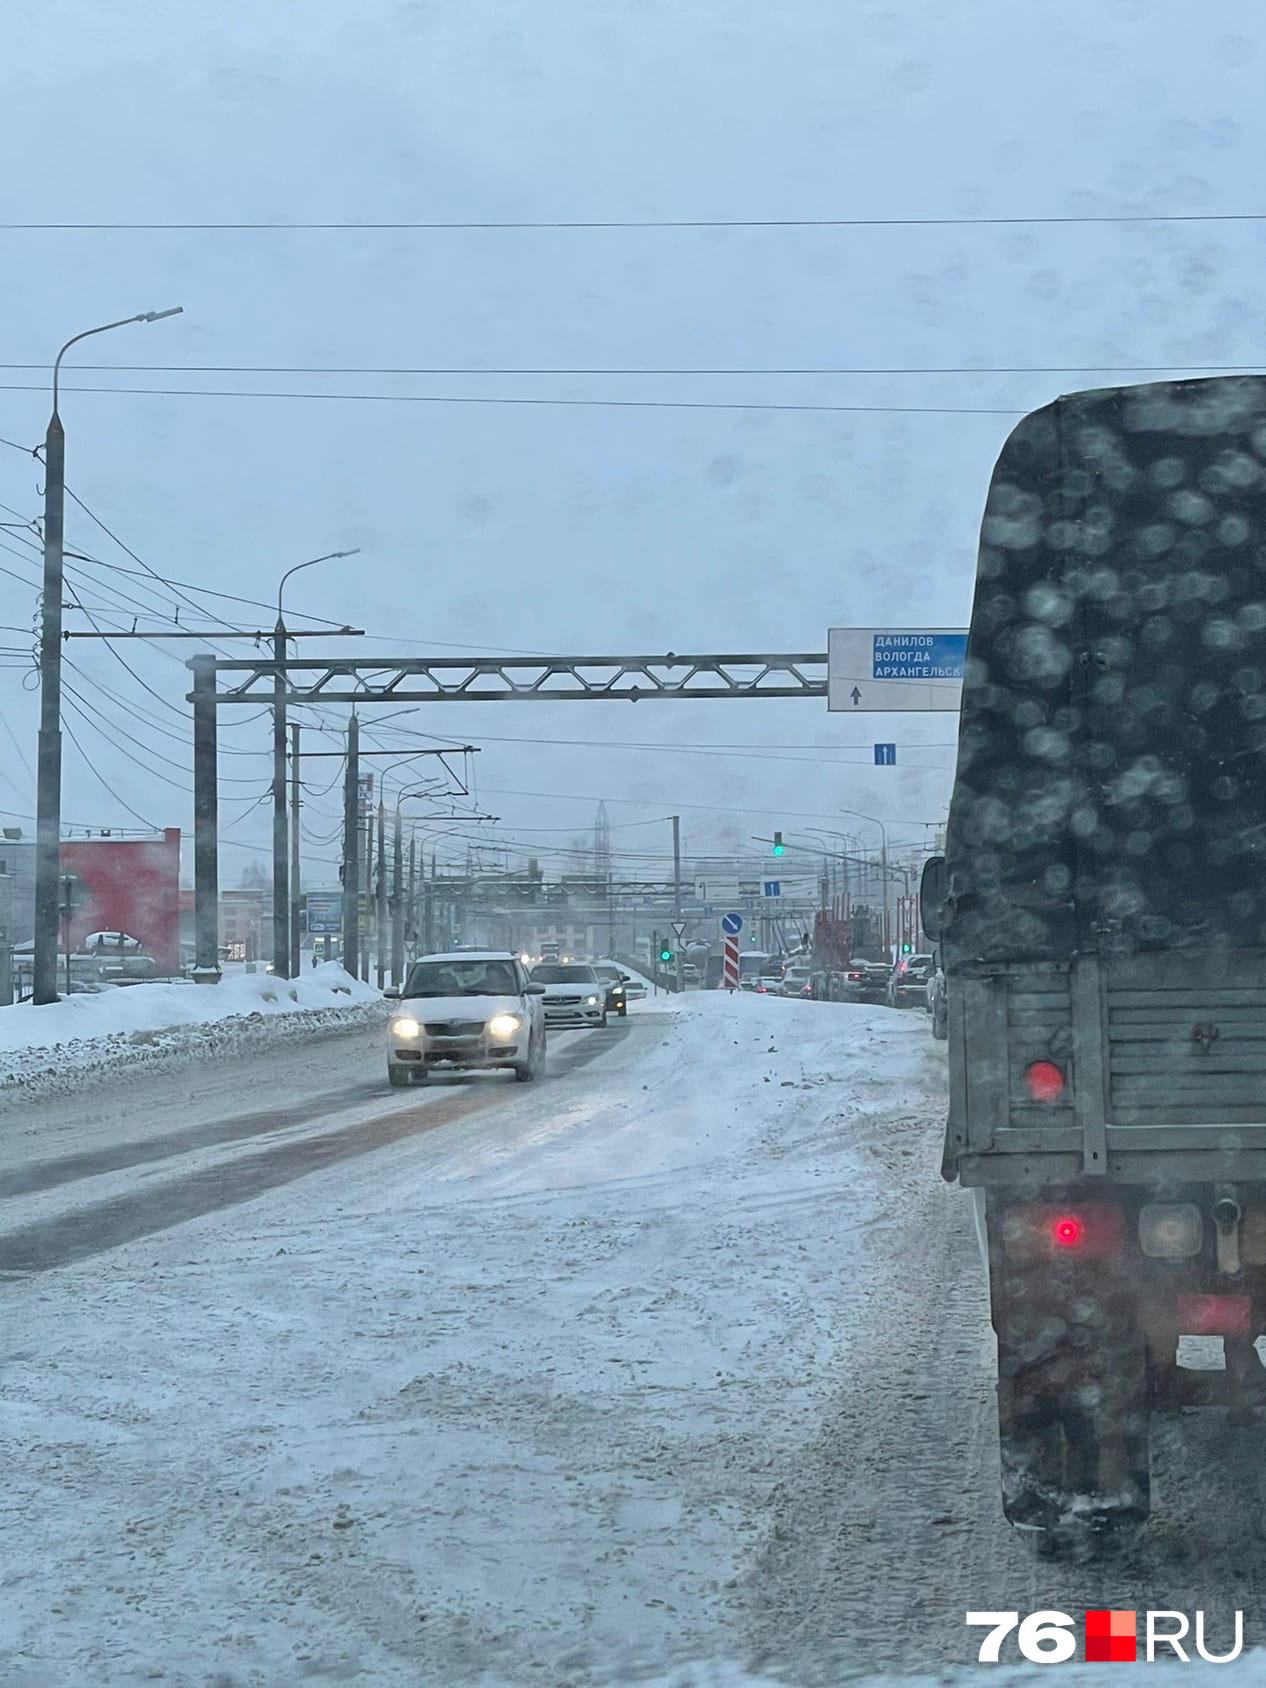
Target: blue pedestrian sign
column 773, row 888
column 885, row 755
column 731, row 923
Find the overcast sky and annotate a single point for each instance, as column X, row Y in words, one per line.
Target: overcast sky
column 530, row 528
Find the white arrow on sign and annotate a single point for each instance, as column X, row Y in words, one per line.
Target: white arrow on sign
column 679, row 929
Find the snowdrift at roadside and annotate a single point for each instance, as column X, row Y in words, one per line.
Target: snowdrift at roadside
column 56, row 1047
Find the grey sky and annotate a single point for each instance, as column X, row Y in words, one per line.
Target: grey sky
column 569, row 529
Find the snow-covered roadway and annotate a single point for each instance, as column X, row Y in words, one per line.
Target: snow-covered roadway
column 678, row 1356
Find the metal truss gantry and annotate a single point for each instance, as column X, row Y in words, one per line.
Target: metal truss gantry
column 552, row 679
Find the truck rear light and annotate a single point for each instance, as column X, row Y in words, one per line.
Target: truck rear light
column 1171, row 1231
column 1045, row 1081
column 1079, row 1231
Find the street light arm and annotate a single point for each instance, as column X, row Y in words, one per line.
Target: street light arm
column 123, row 322
column 328, row 557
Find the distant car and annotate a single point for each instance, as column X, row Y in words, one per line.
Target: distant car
column 866, row 981
column 908, row 985
column 936, row 1002
column 574, row 994
column 797, row 980
column 615, row 984
column 689, row 973
column 466, row 1010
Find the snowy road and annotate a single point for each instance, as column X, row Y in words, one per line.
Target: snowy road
column 679, row 1355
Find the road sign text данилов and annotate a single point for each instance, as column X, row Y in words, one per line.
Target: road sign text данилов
column 918, row 656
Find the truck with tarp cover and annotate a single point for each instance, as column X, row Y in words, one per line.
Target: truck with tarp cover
column 1100, row 911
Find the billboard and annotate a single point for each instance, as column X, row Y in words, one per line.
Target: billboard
column 129, row 886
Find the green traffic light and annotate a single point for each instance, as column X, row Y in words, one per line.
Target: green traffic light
column 777, row 844
column 665, row 955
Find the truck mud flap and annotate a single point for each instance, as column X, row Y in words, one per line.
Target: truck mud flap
column 1073, row 1428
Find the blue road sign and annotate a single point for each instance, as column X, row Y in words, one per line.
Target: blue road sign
column 885, row 755
column 731, row 923
column 325, row 912
column 773, row 888
column 919, row 656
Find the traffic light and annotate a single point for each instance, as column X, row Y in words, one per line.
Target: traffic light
column 778, row 844
column 906, row 948
column 665, row 954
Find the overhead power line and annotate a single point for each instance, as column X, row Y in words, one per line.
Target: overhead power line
column 503, row 399
column 1088, row 219
column 691, row 370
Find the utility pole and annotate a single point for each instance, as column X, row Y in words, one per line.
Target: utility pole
column 380, row 908
column 397, row 903
column 295, row 889
column 48, row 804
column 366, row 889
column 411, row 931
column 281, row 843
column 428, row 936
column 677, row 898
column 48, row 798
column 285, row 943
column 351, row 840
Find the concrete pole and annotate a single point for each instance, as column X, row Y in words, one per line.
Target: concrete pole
column 295, row 888
column 677, row 945
column 397, row 903
column 48, row 800
column 281, row 839
column 351, row 851
column 206, row 864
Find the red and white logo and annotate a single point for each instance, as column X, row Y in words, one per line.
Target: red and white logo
column 1110, row 1637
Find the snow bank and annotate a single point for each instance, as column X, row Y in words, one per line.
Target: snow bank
column 59, row 1046
column 1246, row 1672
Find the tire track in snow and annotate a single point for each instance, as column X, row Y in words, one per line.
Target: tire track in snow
column 93, row 1228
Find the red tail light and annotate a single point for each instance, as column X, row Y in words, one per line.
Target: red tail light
column 1086, row 1231
column 1045, row 1081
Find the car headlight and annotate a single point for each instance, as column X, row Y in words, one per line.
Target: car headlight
column 504, row 1025
column 592, row 1001
column 406, row 1026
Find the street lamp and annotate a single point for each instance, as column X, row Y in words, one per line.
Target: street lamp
column 883, row 833
column 432, row 835
column 285, row 917
column 48, row 797
column 847, row 838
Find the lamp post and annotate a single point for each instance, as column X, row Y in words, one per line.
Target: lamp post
column 48, row 800
column 281, row 841
column 883, row 833
column 847, row 838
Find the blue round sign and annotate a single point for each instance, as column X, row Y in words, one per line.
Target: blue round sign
column 731, row 923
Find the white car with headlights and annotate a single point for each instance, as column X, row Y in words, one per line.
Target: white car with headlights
column 469, row 1010
column 574, row 994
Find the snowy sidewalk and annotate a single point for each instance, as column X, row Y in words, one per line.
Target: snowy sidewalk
column 60, row 1046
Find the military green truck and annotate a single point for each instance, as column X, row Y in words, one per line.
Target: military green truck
column 1100, row 912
